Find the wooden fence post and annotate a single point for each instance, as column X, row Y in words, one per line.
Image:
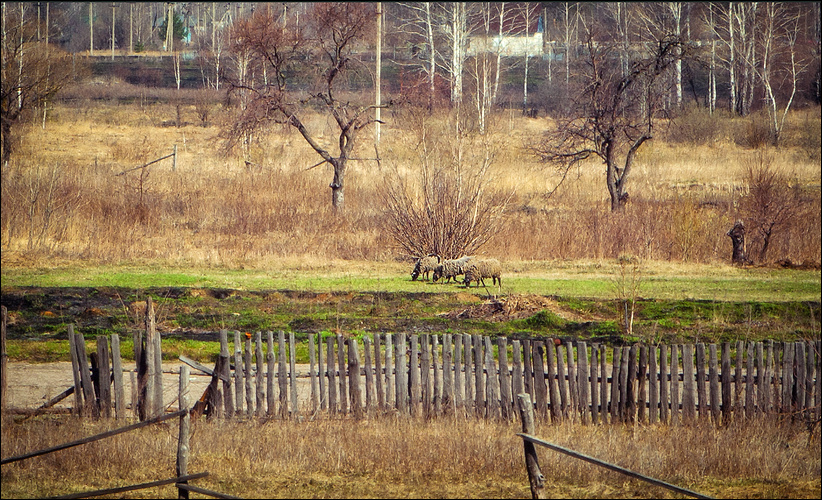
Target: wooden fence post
column 249, row 387
column 321, row 373
column 551, row 380
column 292, row 376
column 354, row 379
column 492, row 392
column 238, row 373
column 701, row 394
column 653, row 382
column 369, row 375
column 527, row 371
column 625, row 384
column 540, row 390
column 402, row 375
column 750, row 400
column 75, row 369
column 414, row 373
column 448, row 374
column 89, row 399
column 615, row 369
column 312, row 361
column 714, row 383
column 378, row 372
column 642, row 375
column 4, row 362
column 573, row 389
column 390, row 401
column 183, row 446
column 332, row 376
column 603, row 387
column 663, row 383
column 468, row 358
column 584, row 384
column 688, row 403
column 504, row 379
column 425, row 375
column 104, row 376
column 437, row 392
column 259, row 380
column 535, row 477
column 343, row 376
column 149, row 357
column 594, row 374
column 117, row 370
column 282, row 374
column 740, row 350
column 787, row 377
column 271, row 370
column 479, row 376
column 727, row 398
column 228, row 395
column 675, row 416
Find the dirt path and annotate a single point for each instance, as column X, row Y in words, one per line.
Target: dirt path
column 30, row 385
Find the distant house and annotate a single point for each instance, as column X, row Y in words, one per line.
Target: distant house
column 516, row 39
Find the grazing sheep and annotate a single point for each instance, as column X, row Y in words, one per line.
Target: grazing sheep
column 451, row 268
column 481, row 269
column 424, row 265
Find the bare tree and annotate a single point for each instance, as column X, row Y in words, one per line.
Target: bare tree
column 32, row 73
column 613, row 116
column 329, row 38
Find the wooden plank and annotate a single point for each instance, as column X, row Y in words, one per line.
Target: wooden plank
column 603, row 386
column 378, row 372
column 425, row 375
column 643, row 394
column 271, row 370
column 159, row 405
column 713, row 374
column 594, row 378
column 354, row 379
column 104, row 376
column 249, row 383
column 369, row 375
column 238, row 373
column 504, row 379
column 688, row 396
column 772, row 377
column 787, row 377
column 331, row 371
column 615, row 369
column 321, row 373
column 228, row 394
column 259, row 382
column 414, row 391
column 479, row 377
column 701, row 394
column 390, row 399
column 630, row 403
column 535, row 477
column 750, row 397
column 738, row 378
column 801, row 373
column 448, row 375
column 150, row 408
column 184, row 434
column 282, row 374
column 343, row 375
column 573, row 390
column 551, row 380
column 133, row 487
column 458, row 378
column 89, row 398
column 516, row 375
column 492, row 388
column 4, row 357
column 292, row 374
column 437, row 382
column 663, row 384
column 562, row 382
column 528, row 374
column 402, row 375
column 584, row 382
column 653, row 385
column 761, row 394
column 312, row 373
column 817, row 402
column 727, row 397
column 468, row 359
column 75, row 369
column 810, row 365
column 675, row 396
column 624, row 382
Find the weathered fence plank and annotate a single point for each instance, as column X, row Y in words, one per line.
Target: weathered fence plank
column 270, row 359
column 675, row 415
column 282, row 374
column 89, row 398
column 615, row 369
column 787, row 377
column 312, row 373
column 603, row 387
column 642, row 376
column 727, row 397
column 713, row 374
column 332, row 376
column 249, row 383
column 425, row 375
column 259, row 382
column 458, row 391
column 390, row 400
column 75, row 369
column 104, row 376
column 594, row 378
column 292, row 375
column 492, row 391
column 184, row 434
column 414, row 392
column 528, row 373
column 663, row 384
column 653, row 385
column 750, row 398
column 437, row 382
column 369, row 375
column 504, row 379
column 448, row 375
column 117, row 372
column 584, row 381
column 343, row 376
column 479, row 377
column 354, row 379
column 562, row 382
column 238, row 373
column 321, row 373
column 573, row 390
column 688, row 402
column 378, row 372
column 535, row 477
column 701, row 394
column 468, row 359
column 228, row 395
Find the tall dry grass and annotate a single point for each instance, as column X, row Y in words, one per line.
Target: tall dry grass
column 398, row 457
column 62, row 197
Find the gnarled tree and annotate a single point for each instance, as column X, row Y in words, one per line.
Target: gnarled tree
column 324, row 47
column 614, row 114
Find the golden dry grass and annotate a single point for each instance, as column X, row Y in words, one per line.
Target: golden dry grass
column 393, row 457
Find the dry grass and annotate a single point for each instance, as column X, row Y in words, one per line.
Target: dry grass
column 216, row 210
column 395, row 457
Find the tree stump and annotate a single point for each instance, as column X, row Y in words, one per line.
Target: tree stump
column 737, row 235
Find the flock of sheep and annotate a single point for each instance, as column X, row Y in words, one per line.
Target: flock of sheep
column 471, row 268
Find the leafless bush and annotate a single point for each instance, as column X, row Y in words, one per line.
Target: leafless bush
column 446, row 204
column 772, row 203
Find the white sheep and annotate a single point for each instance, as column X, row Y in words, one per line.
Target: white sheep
column 480, row 269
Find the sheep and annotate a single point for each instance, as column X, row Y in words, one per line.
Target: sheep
column 451, row 268
column 424, row 265
column 481, row 269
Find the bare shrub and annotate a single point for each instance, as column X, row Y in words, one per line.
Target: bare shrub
column 446, row 204
column 772, row 203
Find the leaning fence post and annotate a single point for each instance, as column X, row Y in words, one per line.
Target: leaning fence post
column 535, row 477
column 75, row 368
column 183, row 449
column 5, row 363
column 117, row 370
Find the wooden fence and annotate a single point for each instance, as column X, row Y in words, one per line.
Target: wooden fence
column 462, row 375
